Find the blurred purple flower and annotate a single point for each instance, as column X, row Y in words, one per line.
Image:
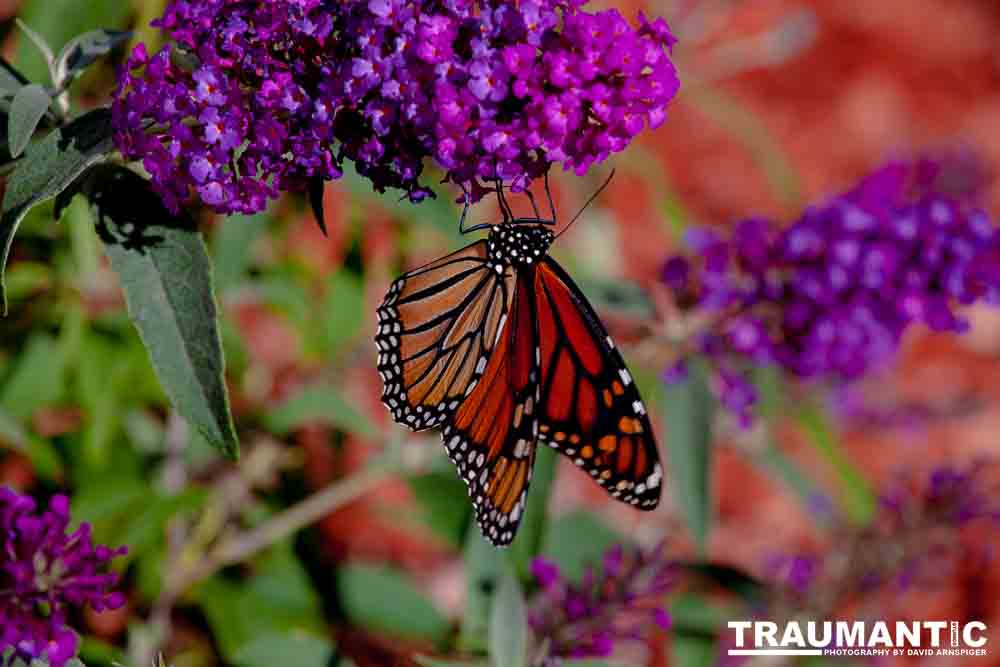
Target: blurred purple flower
column 830, row 296
column 914, row 538
column 276, row 94
column 621, row 601
column 43, row 572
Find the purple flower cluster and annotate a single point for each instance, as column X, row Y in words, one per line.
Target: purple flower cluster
column 831, row 295
column 622, row 601
column 914, row 539
column 255, row 98
column 43, row 571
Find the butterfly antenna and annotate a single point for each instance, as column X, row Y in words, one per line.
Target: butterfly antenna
column 590, row 201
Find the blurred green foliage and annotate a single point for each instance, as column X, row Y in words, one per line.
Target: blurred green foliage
column 81, row 404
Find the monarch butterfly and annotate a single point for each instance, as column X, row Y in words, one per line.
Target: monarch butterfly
column 496, row 345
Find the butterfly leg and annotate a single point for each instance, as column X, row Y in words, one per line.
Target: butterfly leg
column 548, row 194
column 508, row 215
column 534, row 204
column 465, row 210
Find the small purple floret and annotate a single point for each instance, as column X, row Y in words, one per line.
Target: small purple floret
column 43, row 572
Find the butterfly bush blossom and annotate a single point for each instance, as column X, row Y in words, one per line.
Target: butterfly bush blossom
column 43, row 572
column 620, row 601
column 253, row 98
column 830, row 295
column 928, row 527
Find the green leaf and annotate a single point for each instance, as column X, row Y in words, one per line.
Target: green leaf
column 445, row 503
column 344, row 311
column 103, row 388
column 688, row 411
column 27, row 278
column 48, row 168
column 59, row 21
column 84, row 50
column 11, row 80
column 277, row 601
column 146, row 527
column 294, row 649
column 693, row 651
column 231, row 244
column 425, row 661
column 383, row 600
column 37, row 380
column 167, row 279
column 44, row 458
column 858, row 499
column 576, row 540
column 318, row 403
column 509, row 624
column 26, row 111
column 484, row 567
column 316, row 187
column 718, row 575
column 39, row 42
column 529, row 535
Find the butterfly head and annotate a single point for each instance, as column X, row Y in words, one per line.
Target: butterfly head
column 518, row 245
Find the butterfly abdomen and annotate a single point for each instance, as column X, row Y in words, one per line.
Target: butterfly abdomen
column 517, row 245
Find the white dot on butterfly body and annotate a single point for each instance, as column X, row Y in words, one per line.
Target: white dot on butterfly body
column 626, row 378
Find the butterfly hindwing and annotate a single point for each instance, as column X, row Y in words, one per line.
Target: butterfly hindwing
column 491, row 436
column 590, row 409
column 436, row 328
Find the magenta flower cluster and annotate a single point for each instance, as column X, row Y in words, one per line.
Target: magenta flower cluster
column 915, row 538
column 258, row 97
column 43, row 572
column 620, row 601
column 830, row 295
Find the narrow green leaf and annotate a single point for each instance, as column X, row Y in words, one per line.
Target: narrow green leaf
column 48, row 168
column 26, row 111
column 291, row 649
column 40, row 44
column 717, row 575
column 343, row 312
column 83, row 51
column 59, row 21
column 319, row 403
column 484, row 567
column 858, row 498
column 528, row 542
column 694, row 615
column 11, row 80
column 383, row 600
column 688, row 412
column 509, row 624
column 231, row 244
column 693, row 651
column 425, row 661
column 239, row 612
column 166, row 276
column 44, row 458
column 445, row 503
column 576, row 540
column 38, row 379
column 316, row 187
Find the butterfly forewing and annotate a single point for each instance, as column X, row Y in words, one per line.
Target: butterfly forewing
column 491, row 436
column 436, row 328
column 590, row 409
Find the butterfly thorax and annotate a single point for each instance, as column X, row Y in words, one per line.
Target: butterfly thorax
column 517, row 245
